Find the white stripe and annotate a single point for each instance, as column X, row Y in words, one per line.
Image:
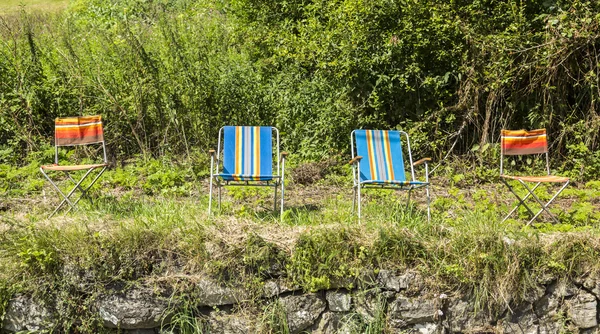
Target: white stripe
column 521, row 137
column 76, row 125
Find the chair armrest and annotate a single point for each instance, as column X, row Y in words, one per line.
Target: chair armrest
column 355, row 160
column 284, row 155
column 212, row 152
column 424, row 160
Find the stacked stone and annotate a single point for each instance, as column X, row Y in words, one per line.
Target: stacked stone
column 401, row 301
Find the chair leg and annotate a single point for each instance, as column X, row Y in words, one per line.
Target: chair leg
column 428, row 204
column 84, row 191
column 219, row 191
column 358, row 200
column 544, row 206
column 65, row 197
column 282, row 187
column 210, row 191
column 408, row 198
column 521, row 200
column 275, row 197
column 59, row 191
column 353, row 199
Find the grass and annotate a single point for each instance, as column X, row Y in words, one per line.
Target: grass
column 13, row 6
column 149, row 225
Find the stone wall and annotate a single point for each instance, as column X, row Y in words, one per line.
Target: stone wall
column 399, row 301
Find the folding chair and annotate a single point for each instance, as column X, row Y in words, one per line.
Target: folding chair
column 75, row 131
column 247, row 155
column 521, row 142
column 383, row 167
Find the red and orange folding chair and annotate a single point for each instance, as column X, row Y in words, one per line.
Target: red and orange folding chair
column 75, row 131
column 521, row 142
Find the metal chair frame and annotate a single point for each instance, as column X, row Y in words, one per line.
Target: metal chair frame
column 84, row 192
column 530, row 192
column 357, row 184
column 278, row 177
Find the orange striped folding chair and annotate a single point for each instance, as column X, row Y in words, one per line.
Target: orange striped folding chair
column 521, row 142
column 74, row 131
column 247, row 159
column 378, row 162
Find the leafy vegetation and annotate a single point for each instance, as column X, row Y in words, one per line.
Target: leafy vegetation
column 167, row 74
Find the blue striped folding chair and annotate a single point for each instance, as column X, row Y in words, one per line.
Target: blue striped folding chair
column 247, row 159
column 378, row 162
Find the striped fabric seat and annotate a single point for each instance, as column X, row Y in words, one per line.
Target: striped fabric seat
column 382, row 157
column 72, row 167
column 247, row 153
column 543, row 178
column 521, row 142
column 78, row 130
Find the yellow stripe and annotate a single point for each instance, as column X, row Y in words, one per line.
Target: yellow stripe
column 238, row 152
column 387, row 153
column 371, row 151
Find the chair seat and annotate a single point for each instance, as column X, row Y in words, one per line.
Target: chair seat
column 402, row 183
column 242, row 177
column 544, row 178
column 72, row 168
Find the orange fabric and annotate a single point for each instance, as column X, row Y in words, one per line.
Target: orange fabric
column 521, row 142
column 78, row 130
column 545, row 178
column 72, row 168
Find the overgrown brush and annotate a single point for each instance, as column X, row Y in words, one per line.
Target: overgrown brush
column 167, row 75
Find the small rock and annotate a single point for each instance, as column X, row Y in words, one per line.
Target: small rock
column 582, row 310
column 461, row 317
column 522, row 321
column 390, row 281
column 592, row 284
column 275, row 287
column 338, row 301
column 25, row 314
column 134, row 309
column 336, row 323
column 407, row 311
column 271, row 289
column 221, row 323
column 564, row 288
column 369, row 305
column 211, row 293
column 302, row 310
column 426, row 328
column 533, row 294
column 546, row 306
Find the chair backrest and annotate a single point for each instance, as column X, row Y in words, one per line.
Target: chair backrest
column 248, row 150
column 523, row 142
column 382, row 155
column 74, row 131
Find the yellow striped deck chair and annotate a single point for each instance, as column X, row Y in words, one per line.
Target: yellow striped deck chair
column 246, row 158
column 522, row 142
column 378, row 162
column 75, row 131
